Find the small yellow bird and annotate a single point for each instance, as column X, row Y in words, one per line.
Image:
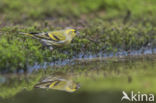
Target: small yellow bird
column 55, row 38
column 58, row 81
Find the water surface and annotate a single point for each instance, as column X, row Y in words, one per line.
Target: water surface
column 101, row 81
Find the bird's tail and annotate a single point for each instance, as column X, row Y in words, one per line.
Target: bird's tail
column 29, row 34
column 32, row 34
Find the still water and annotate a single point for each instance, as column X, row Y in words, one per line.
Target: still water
column 94, row 81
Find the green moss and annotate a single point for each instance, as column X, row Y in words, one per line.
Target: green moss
column 18, row 51
column 105, row 26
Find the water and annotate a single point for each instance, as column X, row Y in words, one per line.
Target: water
column 100, row 82
column 90, row 56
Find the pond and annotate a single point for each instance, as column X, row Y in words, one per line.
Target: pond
column 88, row 81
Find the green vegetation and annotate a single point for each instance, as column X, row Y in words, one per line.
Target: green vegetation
column 105, row 26
column 15, row 52
column 40, row 9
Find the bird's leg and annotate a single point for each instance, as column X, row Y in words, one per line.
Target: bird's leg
column 47, row 44
column 44, row 43
column 47, row 47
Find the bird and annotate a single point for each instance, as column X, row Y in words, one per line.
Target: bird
column 53, row 39
column 58, row 81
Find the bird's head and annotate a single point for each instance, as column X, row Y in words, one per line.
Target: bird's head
column 72, row 87
column 72, row 32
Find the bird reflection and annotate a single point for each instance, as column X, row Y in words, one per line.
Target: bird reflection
column 58, row 81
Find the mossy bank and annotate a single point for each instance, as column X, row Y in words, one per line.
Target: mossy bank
column 105, row 26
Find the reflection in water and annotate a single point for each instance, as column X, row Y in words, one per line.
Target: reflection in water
column 58, row 81
column 52, row 96
column 2, row 79
column 101, row 82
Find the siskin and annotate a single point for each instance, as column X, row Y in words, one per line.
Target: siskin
column 58, row 81
column 55, row 38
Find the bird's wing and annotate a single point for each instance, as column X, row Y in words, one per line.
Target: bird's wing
column 57, row 36
column 53, row 84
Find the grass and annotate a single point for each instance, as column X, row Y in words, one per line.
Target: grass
column 40, row 9
column 105, row 26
